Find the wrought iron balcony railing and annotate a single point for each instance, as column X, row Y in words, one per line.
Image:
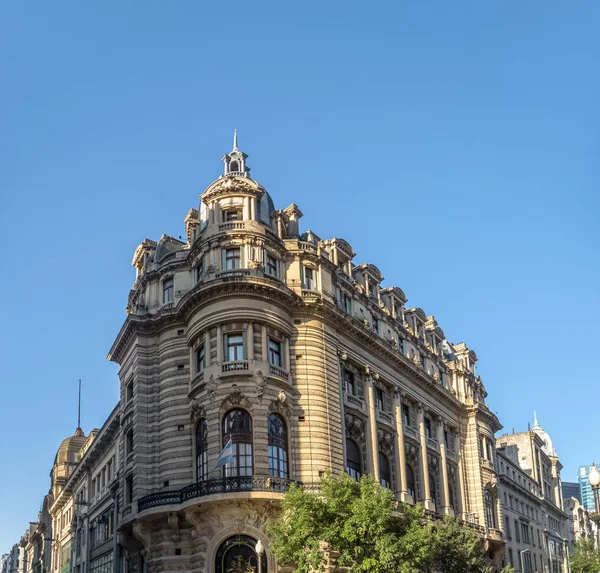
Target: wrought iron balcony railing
column 215, row 486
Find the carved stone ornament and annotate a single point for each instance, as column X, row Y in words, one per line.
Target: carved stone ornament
column 410, row 450
column 211, row 387
column 282, row 397
column 432, row 462
column 343, row 356
column 141, row 532
column 196, row 412
column 385, row 441
column 235, row 398
column 173, row 521
column 355, row 428
column 212, row 269
column 260, row 381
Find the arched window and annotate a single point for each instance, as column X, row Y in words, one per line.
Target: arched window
column 202, row 450
column 410, row 482
column 385, row 478
column 433, row 489
column 353, row 462
column 278, row 454
column 233, row 166
column 237, row 555
column 237, row 426
column 490, row 515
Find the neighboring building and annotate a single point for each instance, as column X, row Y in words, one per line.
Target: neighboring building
column 37, row 541
column 15, row 561
column 571, row 489
column 533, row 452
column 253, row 332
column 581, row 526
column 523, row 516
column 587, row 494
column 85, row 502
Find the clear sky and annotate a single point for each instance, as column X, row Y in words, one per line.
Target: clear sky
column 453, row 144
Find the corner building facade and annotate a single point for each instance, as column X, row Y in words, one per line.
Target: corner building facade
column 253, row 332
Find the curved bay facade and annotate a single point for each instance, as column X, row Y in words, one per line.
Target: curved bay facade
column 269, row 349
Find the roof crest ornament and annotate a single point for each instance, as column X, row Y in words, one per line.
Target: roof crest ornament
column 235, row 141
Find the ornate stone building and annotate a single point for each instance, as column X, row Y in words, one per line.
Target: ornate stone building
column 581, row 526
column 254, row 337
column 254, row 332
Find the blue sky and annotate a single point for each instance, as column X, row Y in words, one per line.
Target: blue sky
column 453, row 144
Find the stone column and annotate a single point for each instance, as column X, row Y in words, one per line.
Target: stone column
column 372, row 449
column 265, row 348
column 220, row 353
column 250, row 341
column 423, row 467
column 462, row 501
column 253, row 208
column 246, row 211
column 400, row 458
column 445, row 490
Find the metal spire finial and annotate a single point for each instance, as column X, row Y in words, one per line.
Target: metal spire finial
column 535, row 421
column 79, row 406
column 235, row 147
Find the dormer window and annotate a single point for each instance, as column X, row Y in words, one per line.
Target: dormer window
column 199, row 271
column 233, row 166
column 232, row 215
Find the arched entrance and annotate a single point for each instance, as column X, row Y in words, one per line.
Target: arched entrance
column 237, row 555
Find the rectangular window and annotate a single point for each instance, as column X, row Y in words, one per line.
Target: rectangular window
column 406, row 414
column 349, row 386
column 428, row 429
column 346, row 303
column 129, row 391
column 309, row 279
column 379, row 402
column 510, row 557
column 517, row 534
column 129, row 489
column 168, row 292
column 129, row 443
column 446, row 441
column 200, row 358
column 235, row 347
column 525, row 533
column 272, row 266
column 507, row 522
column 232, row 259
column 375, row 324
column 232, row 215
column 275, row 352
column 199, row 272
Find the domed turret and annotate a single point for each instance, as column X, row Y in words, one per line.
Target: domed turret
column 548, row 447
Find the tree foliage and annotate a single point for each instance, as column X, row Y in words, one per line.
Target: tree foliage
column 586, row 557
column 357, row 526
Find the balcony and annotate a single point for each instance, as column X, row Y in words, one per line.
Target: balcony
column 215, row 486
column 410, row 431
column 432, row 443
column 354, row 402
column 278, row 372
column 385, row 417
column 232, row 226
column 233, row 273
column 235, row 366
column 450, row 454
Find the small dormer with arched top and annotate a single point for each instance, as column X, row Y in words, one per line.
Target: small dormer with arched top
column 235, row 162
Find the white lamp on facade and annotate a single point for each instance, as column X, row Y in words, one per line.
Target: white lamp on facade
column 260, row 549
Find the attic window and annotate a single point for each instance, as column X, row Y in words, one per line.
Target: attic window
column 233, row 166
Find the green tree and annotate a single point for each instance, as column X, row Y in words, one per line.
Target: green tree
column 586, row 557
column 357, row 526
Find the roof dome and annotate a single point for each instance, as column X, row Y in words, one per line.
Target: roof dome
column 548, row 447
column 70, row 446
